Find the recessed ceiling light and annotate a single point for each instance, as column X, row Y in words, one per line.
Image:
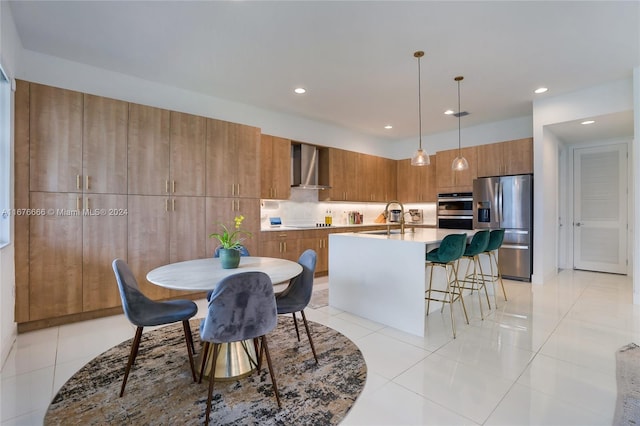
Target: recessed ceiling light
column 588, row 122
column 449, row 112
column 300, row 90
column 540, row 90
column 388, row 126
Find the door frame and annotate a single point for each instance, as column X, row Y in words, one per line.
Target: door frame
column 568, row 188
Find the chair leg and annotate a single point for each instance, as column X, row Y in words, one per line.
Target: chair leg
column 306, row 326
column 258, row 350
column 499, row 275
column 189, row 340
column 132, row 357
column 484, row 283
column 476, row 284
column 449, row 294
column 216, row 349
column 205, row 354
column 295, row 322
column 429, row 289
column 273, row 377
column 455, row 267
column 493, row 280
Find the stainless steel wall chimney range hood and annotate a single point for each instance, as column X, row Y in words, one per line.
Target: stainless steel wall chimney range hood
column 304, row 167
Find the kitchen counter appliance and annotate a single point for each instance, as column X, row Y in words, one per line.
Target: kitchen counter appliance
column 455, row 210
column 507, row 202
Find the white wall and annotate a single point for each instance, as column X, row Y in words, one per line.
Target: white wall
column 505, row 130
column 9, row 46
column 635, row 183
column 604, row 99
column 39, row 68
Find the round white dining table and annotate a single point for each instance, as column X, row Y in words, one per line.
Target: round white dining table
column 237, row 359
column 204, row 274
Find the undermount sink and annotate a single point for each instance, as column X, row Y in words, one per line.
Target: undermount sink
column 381, row 232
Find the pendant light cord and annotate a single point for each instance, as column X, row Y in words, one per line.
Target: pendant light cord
column 459, row 149
column 419, row 105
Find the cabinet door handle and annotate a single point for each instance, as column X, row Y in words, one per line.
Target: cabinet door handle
column 166, row 205
column 78, row 182
column 238, row 189
column 173, row 204
column 173, row 186
column 285, row 246
column 86, row 178
column 237, row 205
column 78, row 206
column 166, row 186
column 86, row 203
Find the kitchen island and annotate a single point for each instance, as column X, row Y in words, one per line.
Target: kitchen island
column 382, row 277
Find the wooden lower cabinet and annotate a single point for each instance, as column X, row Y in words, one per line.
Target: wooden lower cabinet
column 164, row 230
column 55, row 257
column 223, row 210
column 280, row 244
column 104, row 239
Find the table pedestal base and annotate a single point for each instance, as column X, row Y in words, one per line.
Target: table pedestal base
column 235, row 360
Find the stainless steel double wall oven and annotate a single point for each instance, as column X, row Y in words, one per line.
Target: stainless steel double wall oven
column 455, row 210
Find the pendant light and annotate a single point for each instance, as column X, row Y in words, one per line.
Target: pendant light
column 420, row 158
column 459, row 163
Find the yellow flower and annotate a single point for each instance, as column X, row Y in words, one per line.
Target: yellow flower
column 231, row 240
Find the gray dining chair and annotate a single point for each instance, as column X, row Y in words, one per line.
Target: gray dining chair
column 144, row 312
column 216, row 253
column 297, row 295
column 242, row 307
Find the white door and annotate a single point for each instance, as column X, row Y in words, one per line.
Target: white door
column 600, row 209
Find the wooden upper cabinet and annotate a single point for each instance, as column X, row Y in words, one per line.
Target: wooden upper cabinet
column 341, row 167
column 232, row 160
column 187, row 160
column 55, row 139
column 148, row 150
column 389, row 178
column 518, row 156
column 416, row 184
column 275, row 167
column 449, row 180
column 104, row 152
column 506, row 158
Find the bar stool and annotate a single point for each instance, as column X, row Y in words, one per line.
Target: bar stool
column 476, row 281
column 496, row 237
column 447, row 256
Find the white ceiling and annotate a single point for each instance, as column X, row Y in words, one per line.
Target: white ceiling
column 355, row 58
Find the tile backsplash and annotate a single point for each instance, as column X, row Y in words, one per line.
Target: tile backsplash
column 303, row 209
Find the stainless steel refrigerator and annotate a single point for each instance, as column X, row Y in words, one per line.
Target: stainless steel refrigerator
column 507, row 202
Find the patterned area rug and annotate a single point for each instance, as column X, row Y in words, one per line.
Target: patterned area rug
column 160, row 390
column 628, row 381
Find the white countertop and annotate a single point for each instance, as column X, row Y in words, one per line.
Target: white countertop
column 421, row 235
column 355, row 227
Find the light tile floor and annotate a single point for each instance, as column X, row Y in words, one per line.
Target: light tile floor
column 545, row 357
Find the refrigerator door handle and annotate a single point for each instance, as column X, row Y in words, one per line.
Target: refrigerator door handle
column 514, row 246
column 500, row 202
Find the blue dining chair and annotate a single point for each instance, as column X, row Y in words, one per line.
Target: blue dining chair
column 242, row 307
column 297, row 295
column 144, row 312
